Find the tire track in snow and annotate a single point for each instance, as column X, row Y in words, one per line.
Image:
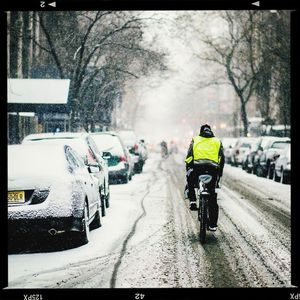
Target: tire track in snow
column 131, row 233
column 258, row 248
column 274, row 226
column 263, row 204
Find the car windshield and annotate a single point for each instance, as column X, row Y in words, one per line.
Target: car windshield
column 280, row 145
column 109, row 143
column 246, row 143
column 265, row 142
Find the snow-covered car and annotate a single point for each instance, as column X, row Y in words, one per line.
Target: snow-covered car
column 248, row 154
column 266, row 156
column 282, row 169
column 241, row 147
column 228, row 143
column 50, row 190
column 134, row 146
column 84, row 145
column 120, row 163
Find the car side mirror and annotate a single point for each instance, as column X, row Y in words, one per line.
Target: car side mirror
column 131, row 150
column 93, row 169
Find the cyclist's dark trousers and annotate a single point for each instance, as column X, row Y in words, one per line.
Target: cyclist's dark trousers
column 192, row 181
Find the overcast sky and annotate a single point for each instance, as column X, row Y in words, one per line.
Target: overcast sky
column 158, row 116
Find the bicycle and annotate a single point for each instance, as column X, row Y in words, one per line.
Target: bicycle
column 203, row 197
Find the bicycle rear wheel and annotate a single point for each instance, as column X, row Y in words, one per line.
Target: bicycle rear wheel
column 202, row 219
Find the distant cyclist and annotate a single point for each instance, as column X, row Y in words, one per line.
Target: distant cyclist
column 164, row 149
column 205, row 156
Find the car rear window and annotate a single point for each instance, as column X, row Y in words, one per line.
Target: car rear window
column 109, row 143
column 24, row 160
column 280, row 145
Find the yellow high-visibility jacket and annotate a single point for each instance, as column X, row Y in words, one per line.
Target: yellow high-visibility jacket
column 205, row 148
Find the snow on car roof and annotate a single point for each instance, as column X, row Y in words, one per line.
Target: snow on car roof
column 76, row 144
column 57, row 135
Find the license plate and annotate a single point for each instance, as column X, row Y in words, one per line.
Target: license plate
column 16, row 197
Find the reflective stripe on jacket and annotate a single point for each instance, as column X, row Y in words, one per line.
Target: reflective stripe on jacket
column 205, row 148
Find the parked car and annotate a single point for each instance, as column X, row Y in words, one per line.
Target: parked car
column 263, row 141
column 120, row 162
column 50, row 190
column 282, row 168
column 134, row 146
column 247, row 163
column 264, row 157
column 87, row 149
column 242, row 145
column 228, row 145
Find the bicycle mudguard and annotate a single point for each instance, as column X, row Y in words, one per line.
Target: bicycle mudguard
column 205, row 178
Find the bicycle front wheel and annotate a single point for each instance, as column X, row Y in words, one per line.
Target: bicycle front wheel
column 202, row 219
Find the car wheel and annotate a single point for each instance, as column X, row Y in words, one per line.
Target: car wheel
column 254, row 170
column 125, row 179
column 107, row 198
column 284, row 178
column 275, row 177
column 259, row 171
column 84, row 235
column 97, row 219
column 270, row 172
column 103, row 212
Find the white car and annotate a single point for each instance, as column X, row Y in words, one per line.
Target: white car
column 282, row 170
column 50, row 190
column 240, row 149
column 135, row 147
column 84, row 145
column 228, row 143
column 120, row 161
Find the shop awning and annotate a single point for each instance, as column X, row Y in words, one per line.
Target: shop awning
column 38, row 95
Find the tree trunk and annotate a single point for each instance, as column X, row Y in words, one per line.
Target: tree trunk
column 244, row 117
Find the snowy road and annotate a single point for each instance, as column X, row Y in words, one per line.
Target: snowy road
column 149, row 238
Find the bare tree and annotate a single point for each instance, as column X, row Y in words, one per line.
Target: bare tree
column 235, row 52
column 98, row 41
column 252, row 54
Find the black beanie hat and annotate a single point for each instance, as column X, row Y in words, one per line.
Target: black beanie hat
column 204, row 128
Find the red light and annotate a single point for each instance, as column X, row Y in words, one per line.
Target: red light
column 122, row 158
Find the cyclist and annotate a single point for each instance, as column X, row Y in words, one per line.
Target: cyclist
column 164, row 149
column 205, row 156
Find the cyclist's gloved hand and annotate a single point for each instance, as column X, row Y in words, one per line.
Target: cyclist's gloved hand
column 189, row 171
